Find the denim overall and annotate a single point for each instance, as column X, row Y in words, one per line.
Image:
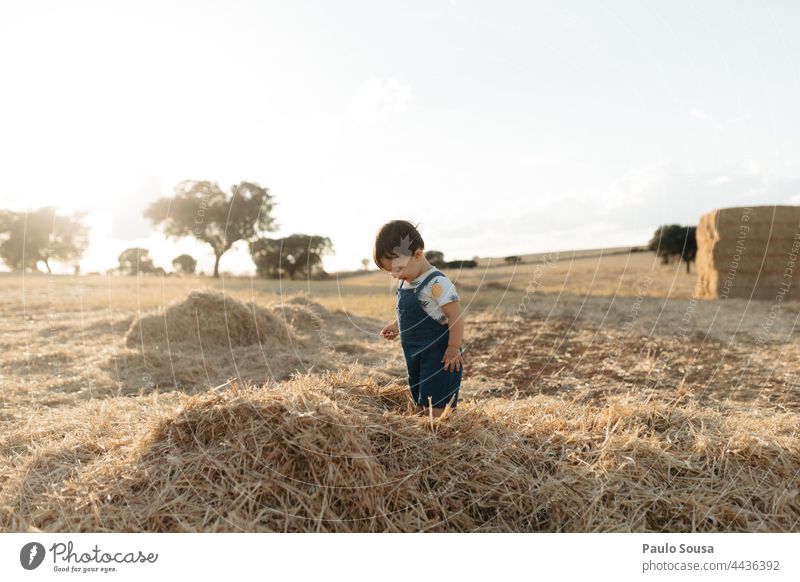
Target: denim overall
column 424, row 342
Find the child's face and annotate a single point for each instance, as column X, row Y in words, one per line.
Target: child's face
column 403, row 266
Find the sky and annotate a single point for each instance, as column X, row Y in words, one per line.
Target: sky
column 500, row 127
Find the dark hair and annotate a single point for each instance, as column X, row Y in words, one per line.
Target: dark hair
column 395, row 238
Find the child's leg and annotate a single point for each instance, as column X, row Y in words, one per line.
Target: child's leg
column 412, row 363
column 438, row 387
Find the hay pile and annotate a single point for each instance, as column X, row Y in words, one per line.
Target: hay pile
column 334, row 452
column 209, row 319
column 209, row 337
column 750, row 251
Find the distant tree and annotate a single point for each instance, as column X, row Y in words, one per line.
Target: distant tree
column 266, row 254
column 365, row 264
column 135, row 261
column 184, row 264
column 461, row 264
column 202, row 210
column 675, row 241
column 513, row 259
column 28, row 238
column 435, row 258
column 292, row 256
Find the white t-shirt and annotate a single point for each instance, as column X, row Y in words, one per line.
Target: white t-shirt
column 438, row 291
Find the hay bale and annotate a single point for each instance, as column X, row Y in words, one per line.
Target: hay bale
column 749, row 252
column 337, row 453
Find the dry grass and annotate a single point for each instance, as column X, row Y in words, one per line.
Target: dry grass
column 598, row 395
column 334, row 453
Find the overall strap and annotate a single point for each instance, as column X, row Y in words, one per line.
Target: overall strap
column 428, row 278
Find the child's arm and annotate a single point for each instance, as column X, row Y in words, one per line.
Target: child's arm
column 455, row 321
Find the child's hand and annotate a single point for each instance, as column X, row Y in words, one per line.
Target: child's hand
column 391, row 331
column 453, row 360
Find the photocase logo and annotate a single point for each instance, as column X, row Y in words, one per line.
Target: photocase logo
column 404, row 248
column 402, row 253
column 31, row 555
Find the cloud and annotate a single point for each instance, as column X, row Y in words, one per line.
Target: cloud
column 718, row 180
column 671, row 187
column 627, row 209
column 697, row 114
column 633, row 187
column 321, row 124
column 540, row 160
column 380, row 98
column 722, row 123
column 744, row 117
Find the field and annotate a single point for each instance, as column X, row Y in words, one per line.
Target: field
column 598, row 395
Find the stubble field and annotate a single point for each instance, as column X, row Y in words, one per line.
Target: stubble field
column 598, row 395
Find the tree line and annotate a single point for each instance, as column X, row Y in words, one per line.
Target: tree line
column 199, row 209
column 30, row 238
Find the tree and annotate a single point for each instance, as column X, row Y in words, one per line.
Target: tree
column 135, row 261
column 435, row 258
column 41, row 236
column 365, row 264
column 202, row 210
column 513, row 259
column 468, row 264
column 292, row 256
column 675, row 241
column 184, row 264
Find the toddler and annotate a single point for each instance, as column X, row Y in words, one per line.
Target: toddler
column 429, row 318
